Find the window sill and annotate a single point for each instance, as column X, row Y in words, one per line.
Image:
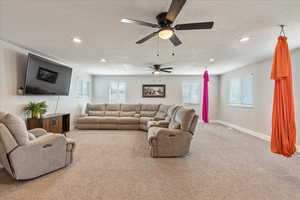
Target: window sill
column 240, row 105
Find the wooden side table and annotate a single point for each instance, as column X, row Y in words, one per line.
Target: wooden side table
column 55, row 123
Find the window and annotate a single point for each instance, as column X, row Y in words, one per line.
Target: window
column 84, row 88
column 117, row 92
column 191, row 93
column 241, row 91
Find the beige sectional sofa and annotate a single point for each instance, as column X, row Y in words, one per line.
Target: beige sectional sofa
column 122, row 116
column 170, row 127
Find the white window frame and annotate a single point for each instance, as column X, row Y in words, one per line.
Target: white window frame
column 243, row 97
column 121, row 92
column 194, row 97
column 84, row 89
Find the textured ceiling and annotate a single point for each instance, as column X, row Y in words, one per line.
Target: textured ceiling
column 49, row 25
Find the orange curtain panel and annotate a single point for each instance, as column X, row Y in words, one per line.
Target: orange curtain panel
column 283, row 139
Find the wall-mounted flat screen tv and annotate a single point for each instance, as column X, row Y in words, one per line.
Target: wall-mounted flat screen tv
column 45, row 77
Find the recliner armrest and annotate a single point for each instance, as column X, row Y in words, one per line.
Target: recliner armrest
column 161, row 123
column 37, row 132
column 156, row 133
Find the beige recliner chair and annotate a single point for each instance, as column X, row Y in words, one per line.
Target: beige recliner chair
column 175, row 140
column 30, row 154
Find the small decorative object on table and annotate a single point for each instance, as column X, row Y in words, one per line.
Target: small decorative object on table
column 36, row 109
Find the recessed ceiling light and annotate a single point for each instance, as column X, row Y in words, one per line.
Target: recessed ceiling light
column 77, row 40
column 211, row 60
column 103, row 60
column 244, row 39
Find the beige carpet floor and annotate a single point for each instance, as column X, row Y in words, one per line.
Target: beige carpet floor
column 113, row 165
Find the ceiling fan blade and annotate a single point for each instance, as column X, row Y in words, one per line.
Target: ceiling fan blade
column 175, row 40
column 166, row 68
column 175, row 9
column 194, row 26
column 147, row 38
column 138, row 22
column 167, row 71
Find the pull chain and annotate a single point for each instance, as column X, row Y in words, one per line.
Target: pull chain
column 157, row 46
column 173, row 52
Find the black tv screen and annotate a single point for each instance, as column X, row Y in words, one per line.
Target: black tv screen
column 45, row 77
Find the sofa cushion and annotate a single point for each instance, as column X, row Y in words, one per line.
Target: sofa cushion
column 17, row 128
column 109, row 120
column 130, row 107
column 150, row 107
column 164, row 108
column 184, row 117
column 2, row 114
column 112, row 113
column 148, row 113
column 113, row 107
column 127, row 114
column 89, row 120
column 95, row 107
column 8, row 140
column 144, row 120
column 96, row 113
column 128, row 120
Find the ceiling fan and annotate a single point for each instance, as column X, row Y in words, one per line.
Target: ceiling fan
column 157, row 69
column 165, row 22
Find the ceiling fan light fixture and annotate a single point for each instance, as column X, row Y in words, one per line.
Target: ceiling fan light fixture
column 156, row 72
column 166, row 33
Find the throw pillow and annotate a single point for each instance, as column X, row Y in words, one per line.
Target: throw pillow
column 17, row 128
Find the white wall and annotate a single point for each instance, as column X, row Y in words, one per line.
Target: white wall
column 12, row 73
column 259, row 117
column 173, row 89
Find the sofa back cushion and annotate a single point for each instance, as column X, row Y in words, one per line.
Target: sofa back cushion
column 184, row 116
column 2, row 114
column 171, row 112
column 113, row 107
column 95, row 107
column 162, row 112
column 112, row 113
column 96, row 113
column 164, row 108
column 130, row 107
column 127, row 114
column 194, row 124
column 150, row 107
column 7, row 139
column 149, row 110
column 17, row 128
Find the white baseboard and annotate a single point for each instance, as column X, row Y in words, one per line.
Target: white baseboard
column 248, row 131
